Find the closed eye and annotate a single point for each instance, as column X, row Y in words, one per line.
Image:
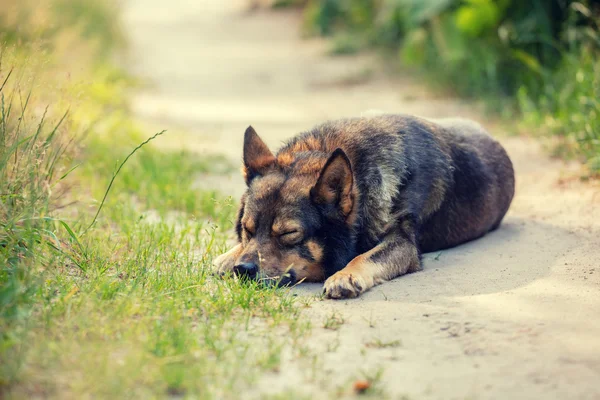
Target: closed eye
column 291, row 237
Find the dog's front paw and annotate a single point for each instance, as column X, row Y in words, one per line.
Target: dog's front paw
column 344, row 285
column 225, row 262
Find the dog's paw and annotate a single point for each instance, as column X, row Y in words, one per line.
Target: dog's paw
column 344, row 285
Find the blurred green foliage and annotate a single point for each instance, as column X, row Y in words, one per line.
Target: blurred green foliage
column 539, row 58
column 28, row 22
column 96, row 19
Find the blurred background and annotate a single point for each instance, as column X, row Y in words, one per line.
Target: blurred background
column 259, row 62
column 214, row 67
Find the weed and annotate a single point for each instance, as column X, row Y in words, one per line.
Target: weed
column 333, row 321
column 333, row 345
column 370, row 320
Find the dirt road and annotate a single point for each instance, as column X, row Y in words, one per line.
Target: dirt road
column 513, row 315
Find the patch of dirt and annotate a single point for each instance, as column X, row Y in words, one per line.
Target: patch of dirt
column 512, row 315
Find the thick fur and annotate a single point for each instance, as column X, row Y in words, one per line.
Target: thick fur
column 356, row 201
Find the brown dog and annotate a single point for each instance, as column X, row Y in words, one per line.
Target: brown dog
column 355, row 202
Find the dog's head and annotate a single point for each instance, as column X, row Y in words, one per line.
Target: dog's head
column 296, row 217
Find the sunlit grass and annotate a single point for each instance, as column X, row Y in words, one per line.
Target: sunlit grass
column 570, row 109
column 125, row 306
column 130, row 306
column 146, row 317
column 159, row 180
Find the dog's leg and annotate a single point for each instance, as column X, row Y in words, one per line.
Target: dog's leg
column 393, row 257
column 225, row 262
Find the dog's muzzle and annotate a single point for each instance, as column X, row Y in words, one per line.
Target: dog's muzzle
column 246, row 270
column 250, row 271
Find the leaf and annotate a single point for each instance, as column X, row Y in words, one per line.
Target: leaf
column 68, row 172
column 528, row 60
column 73, row 237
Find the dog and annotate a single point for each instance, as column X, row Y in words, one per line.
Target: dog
column 355, row 202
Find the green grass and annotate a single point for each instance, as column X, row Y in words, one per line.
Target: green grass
column 131, row 307
column 123, row 305
column 128, row 307
column 30, row 169
column 569, row 109
column 147, row 318
column 161, row 181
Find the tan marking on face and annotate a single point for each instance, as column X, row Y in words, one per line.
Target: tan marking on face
column 304, row 269
column 249, row 224
column 291, row 260
column 312, row 272
column 316, row 251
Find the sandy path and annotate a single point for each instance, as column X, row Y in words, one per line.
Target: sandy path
column 516, row 314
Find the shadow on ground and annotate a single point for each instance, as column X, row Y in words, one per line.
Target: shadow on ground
column 498, row 262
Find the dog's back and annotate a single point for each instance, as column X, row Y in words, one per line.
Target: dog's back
column 448, row 178
column 482, row 190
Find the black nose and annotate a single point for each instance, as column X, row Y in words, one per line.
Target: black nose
column 248, row 270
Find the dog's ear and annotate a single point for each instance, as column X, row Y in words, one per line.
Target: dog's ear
column 334, row 186
column 257, row 156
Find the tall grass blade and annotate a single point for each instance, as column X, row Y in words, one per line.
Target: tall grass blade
column 117, row 173
column 51, row 135
column 7, row 78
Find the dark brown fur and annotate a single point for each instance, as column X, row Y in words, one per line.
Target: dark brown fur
column 356, row 201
